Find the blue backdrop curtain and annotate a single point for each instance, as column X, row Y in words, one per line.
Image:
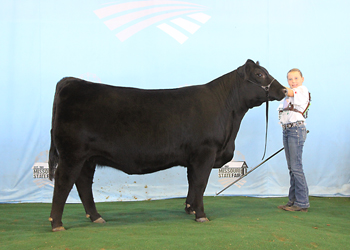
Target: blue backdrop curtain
column 168, row 44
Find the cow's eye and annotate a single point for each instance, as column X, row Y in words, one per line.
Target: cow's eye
column 259, row 74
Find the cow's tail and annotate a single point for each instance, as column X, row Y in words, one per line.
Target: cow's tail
column 53, row 153
column 53, row 158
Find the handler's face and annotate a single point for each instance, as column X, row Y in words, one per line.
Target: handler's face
column 294, row 79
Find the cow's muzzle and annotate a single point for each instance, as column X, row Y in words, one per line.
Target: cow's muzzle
column 285, row 91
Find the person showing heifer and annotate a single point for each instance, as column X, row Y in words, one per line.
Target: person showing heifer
column 291, row 116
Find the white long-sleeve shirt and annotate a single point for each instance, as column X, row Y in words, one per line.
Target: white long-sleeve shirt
column 300, row 101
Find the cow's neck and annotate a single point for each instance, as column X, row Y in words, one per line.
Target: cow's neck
column 228, row 90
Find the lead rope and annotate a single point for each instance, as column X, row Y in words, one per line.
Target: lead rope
column 267, row 89
column 267, row 121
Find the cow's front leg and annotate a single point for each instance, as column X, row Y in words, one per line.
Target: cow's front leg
column 190, row 194
column 84, row 187
column 198, row 175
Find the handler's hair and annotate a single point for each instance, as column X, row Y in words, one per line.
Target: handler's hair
column 295, row 70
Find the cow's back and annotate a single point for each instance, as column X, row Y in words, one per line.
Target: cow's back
column 127, row 127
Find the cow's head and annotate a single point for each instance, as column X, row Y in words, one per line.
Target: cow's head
column 259, row 84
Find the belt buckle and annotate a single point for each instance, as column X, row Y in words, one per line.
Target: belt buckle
column 293, row 124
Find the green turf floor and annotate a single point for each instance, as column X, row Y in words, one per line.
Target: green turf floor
column 235, row 223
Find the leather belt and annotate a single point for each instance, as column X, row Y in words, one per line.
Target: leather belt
column 294, row 124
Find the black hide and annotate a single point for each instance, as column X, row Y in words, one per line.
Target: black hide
column 142, row 131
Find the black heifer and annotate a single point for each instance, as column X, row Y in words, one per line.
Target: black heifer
column 143, row 131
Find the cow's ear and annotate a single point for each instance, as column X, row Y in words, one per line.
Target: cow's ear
column 257, row 63
column 247, row 68
column 244, row 68
column 249, row 61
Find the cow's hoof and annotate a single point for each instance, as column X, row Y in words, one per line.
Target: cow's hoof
column 57, row 229
column 203, row 219
column 100, row 220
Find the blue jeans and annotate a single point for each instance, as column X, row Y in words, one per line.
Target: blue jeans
column 293, row 141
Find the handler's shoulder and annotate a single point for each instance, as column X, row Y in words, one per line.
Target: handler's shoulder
column 302, row 89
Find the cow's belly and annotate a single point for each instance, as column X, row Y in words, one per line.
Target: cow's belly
column 132, row 163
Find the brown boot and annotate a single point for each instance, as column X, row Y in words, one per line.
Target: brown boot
column 295, row 209
column 284, row 206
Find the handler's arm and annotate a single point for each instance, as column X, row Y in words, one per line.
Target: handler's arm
column 290, row 92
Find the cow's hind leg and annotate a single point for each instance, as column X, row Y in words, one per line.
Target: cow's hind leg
column 66, row 174
column 84, row 186
column 198, row 175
